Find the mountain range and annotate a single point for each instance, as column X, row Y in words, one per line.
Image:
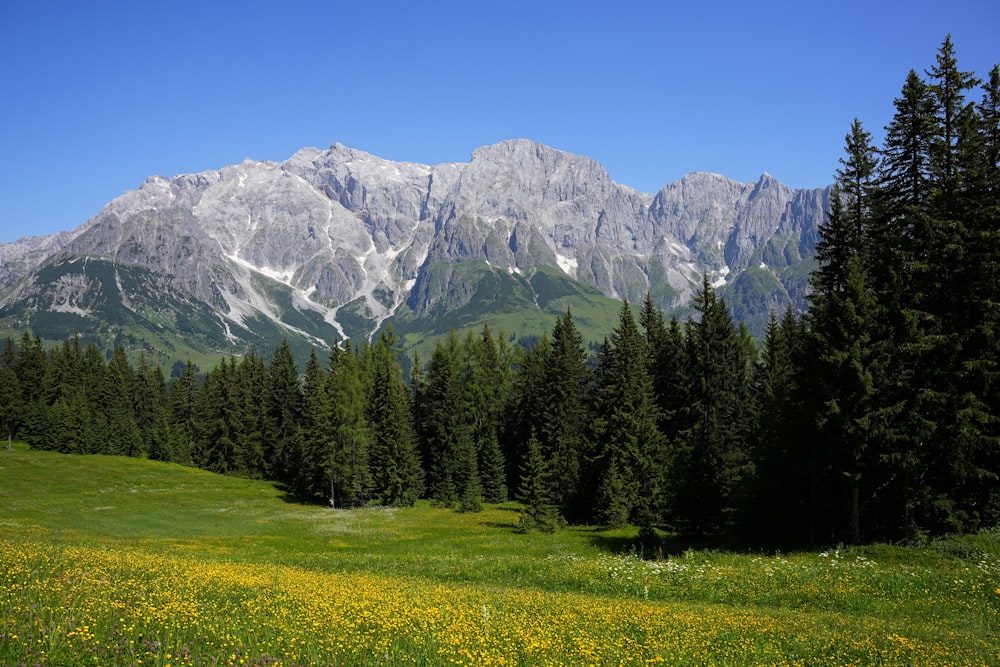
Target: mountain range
column 338, row 243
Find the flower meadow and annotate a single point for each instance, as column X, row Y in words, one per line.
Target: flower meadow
column 83, row 605
column 112, row 562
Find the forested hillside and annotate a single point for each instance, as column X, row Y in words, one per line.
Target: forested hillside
column 875, row 415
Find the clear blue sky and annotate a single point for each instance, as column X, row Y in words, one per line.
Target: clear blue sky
column 96, row 96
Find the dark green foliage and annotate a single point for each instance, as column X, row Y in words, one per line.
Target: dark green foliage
column 183, row 407
column 629, row 452
column 448, row 447
column 394, row 461
column 903, row 347
column 343, row 431
column 782, row 483
column 310, row 478
column 486, row 373
column 282, row 445
column 149, row 403
column 215, row 418
column 248, row 395
column 441, row 429
column 492, row 470
column 527, row 406
column 565, row 416
column 11, row 403
column 540, row 512
column 711, row 454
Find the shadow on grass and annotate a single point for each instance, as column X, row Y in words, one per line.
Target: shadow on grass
column 657, row 544
column 292, row 497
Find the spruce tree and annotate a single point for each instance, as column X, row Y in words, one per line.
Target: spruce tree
column 492, row 470
column 485, row 372
column 450, row 452
column 183, row 407
column 11, row 404
column 527, row 405
column 395, row 463
column 123, row 436
column 215, row 420
column 565, row 416
column 671, row 384
column 540, row 512
column 712, row 454
column 848, row 377
column 249, row 410
column 311, row 479
column 150, row 401
column 344, row 431
column 901, row 348
column 30, row 368
column 282, row 405
column 777, row 514
column 629, row 449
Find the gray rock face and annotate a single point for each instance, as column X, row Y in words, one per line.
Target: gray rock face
column 340, row 226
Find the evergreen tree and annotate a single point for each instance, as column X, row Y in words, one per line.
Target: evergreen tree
column 847, row 365
column 450, row 453
column 780, row 486
column 70, row 424
column 11, row 403
column 30, row 368
column 899, row 350
column 846, row 231
column 345, row 432
column 616, row 495
column 10, row 354
column 905, row 167
column 395, row 462
column 93, row 383
column 149, row 402
column 282, row 407
column 63, row 377
column 485, row 372
column 123, row 436
column 527, row 406
column 948, row 87
column 472, row 492
column 311, row 477
column 711, row 457
column 671, row 384
column 539, row 509
column 493, row 470
column 215, row 420
column 183, row 412
column 629, row 447
column 848, row 376
column 249, row 410
column 565, row 416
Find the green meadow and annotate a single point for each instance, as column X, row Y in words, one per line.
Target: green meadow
column 118, row 561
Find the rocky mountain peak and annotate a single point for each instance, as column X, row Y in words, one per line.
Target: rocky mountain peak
column 341, row 240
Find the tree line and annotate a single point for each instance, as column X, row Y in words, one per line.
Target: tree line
column 874, row 415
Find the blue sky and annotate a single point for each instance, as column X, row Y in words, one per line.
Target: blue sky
column 96, row 96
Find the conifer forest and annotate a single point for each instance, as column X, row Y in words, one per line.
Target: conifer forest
column 874, row 415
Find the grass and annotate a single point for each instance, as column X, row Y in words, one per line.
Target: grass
column 112, row 561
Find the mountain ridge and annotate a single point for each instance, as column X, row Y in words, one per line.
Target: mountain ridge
column 339, row 242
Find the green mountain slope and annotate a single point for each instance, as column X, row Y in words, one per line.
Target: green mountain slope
column 520, row 306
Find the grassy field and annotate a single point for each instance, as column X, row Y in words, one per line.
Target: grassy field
column 110, row 561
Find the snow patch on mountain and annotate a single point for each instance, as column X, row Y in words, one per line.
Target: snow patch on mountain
column 569, row 265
